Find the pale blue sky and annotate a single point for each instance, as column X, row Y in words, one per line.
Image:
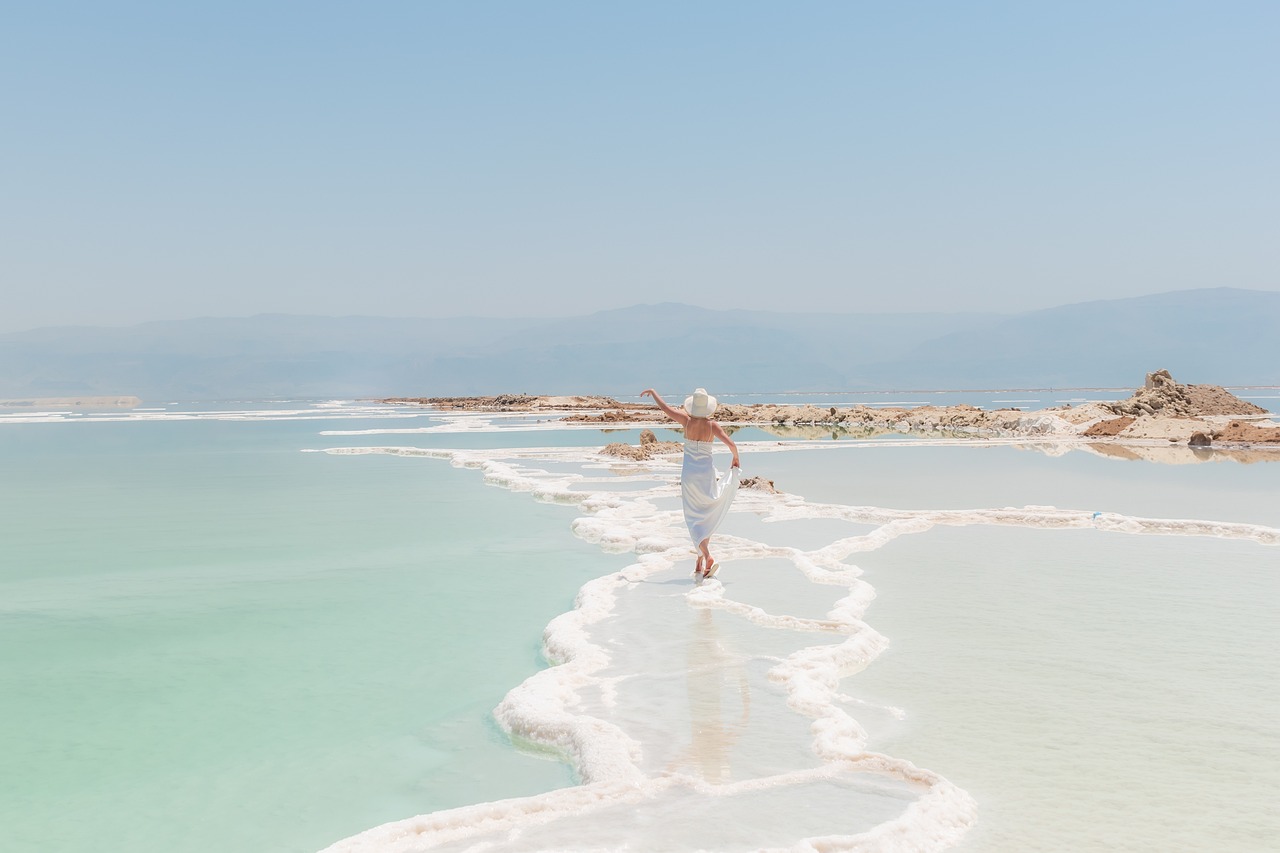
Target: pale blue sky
column 162, row 160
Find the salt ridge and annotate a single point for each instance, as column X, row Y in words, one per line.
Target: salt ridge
column 542, row 710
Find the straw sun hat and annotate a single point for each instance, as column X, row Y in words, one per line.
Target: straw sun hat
column 700, row 404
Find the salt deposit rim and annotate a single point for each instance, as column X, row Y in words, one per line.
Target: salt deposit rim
column 604, row 756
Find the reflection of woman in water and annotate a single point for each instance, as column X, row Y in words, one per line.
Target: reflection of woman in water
column 706, row 497
column 710, row 675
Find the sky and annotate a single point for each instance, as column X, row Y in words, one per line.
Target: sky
column 437, row 159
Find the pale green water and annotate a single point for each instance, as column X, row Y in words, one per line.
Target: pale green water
column 211, row 641
column 1092, row 693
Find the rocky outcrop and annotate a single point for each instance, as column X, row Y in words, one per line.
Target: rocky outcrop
column 759, row 484
column 649, row 447
column 1162, row 395
column 625, row 451
column 1162, row 410
column 958, row 420
column 649, row 440
column 511, row 403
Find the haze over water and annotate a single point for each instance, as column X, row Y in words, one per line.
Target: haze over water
column 215, row 641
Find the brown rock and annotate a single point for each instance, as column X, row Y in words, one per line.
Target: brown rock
column 625, row 451
column 1215, row 400
column 1112, row 427
column 1199, row 439
column 510, row 402
column 1239, row 432
column 1158, row 379
column 649, row 447
column 760, row 484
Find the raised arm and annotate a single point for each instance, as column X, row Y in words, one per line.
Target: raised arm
column 676, row 415
column 719, row 433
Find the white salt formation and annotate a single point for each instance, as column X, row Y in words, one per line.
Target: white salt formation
column 714, row 716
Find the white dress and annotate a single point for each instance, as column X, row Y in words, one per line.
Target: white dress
column 706, row 493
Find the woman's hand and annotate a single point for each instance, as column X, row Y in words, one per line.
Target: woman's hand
column 736, row 463
column 649, row 392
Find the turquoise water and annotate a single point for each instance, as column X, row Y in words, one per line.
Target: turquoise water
column 1091, row 684
column 211, row 641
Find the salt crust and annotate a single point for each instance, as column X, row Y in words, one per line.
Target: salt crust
column 543, row 709
column 332, row 410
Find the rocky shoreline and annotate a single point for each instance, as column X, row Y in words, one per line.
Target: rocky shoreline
column 511, row 403
column 1163, row 410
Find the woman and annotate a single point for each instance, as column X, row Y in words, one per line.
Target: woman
column 706, row 500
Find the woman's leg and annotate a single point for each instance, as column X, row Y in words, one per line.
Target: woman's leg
column 705, row 547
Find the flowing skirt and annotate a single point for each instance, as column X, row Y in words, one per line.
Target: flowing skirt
column 706, row 493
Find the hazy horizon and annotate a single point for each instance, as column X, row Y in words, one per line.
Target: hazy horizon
column 1218, row 336
column 622, row 307
column 506, row 159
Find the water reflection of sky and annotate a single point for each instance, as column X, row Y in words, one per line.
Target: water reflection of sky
column 976, row 474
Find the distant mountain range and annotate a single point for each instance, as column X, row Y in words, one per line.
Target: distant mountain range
column 1221, row 336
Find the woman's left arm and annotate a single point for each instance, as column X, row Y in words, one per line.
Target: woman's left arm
column 719, row 433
